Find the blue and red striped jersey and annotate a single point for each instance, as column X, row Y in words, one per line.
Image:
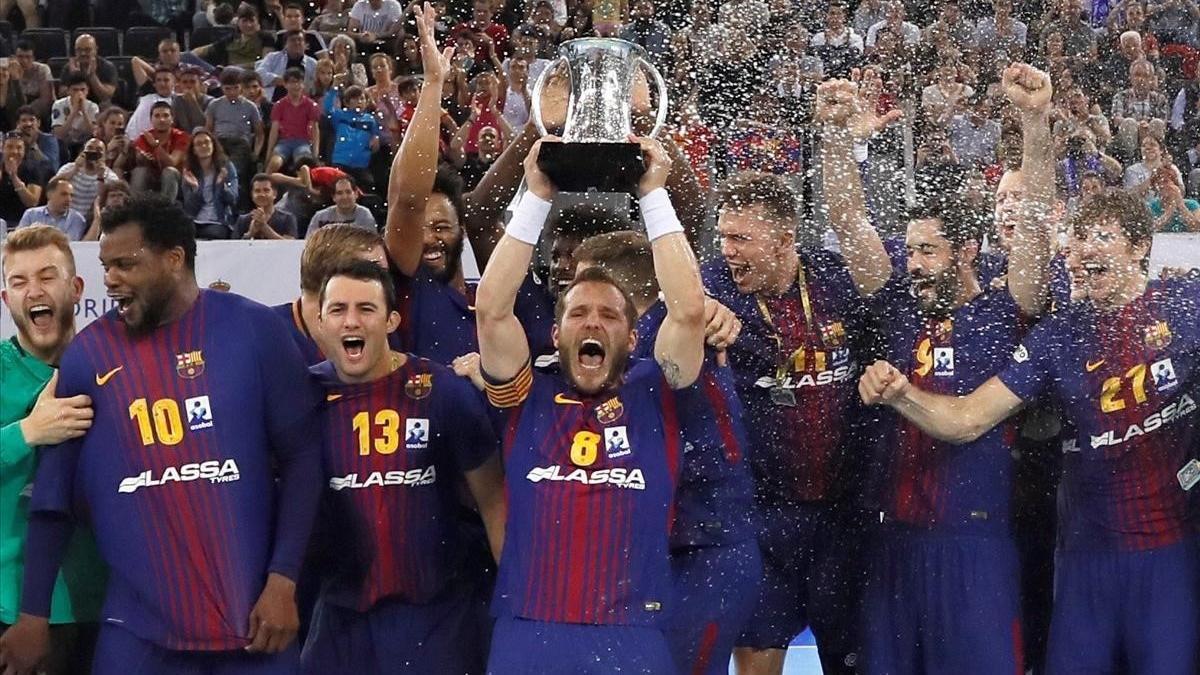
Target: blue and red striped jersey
column 394, row 450
column 797, row 376
column 714, row 505
column 590, row 484
column 931, row 484
column 177, row 473
column 438, row 322
column 1129, row 381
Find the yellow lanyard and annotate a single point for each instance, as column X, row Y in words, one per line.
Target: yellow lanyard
column 805, row 303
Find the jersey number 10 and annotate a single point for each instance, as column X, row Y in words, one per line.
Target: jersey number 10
column 159, row 422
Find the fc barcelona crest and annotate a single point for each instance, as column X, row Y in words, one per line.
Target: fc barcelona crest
column 190, row 365
column 610, row 411
column 1158, row 335
column 419, row 385
column 833, row 334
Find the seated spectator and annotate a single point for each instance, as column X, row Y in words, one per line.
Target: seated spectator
column 158, row 154
column 974, row 133
column 1141, row 102
column 57, row 212
column 489, row 144
column 293, row 20
column 238, row 126
column 252, row 89
column 943, row 99
column 958, row 29
column 345, row 209
column 346, row 71
column 868, row 13
column 86, row 174
column 1174, row 21
column 112, row 195
column 20, row 180
column 11, row 97
column 545, row 16
column 110, row 129
column 528, row 42
column 295, row 129
column 190, row 100
column 164, row 92
column 169, row 56
column 101, row 75
column 333, row 19
column 210, row 187
column 1000, row 33
column 1192, row 161
column 1171, row 211
column 264, row 221
column 34, row 78
column 517, row 98
column 244, row 48
column 1137, row 176
column 322, row 79
column 1186, row 105
column 1068, row 19
column 385, row 98
column 838, row 46
column 651, row 34
column 1083, row 156
column 374, row 23
column 308, row 191
column 40, row 146
column 1112, row 71
column 355, row 133
column 273, row 66
column 1078, row 114
column 73, row 117
column 482, row 31
column 409, row 56
column 894, row 21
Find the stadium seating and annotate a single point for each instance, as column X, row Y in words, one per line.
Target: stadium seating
column 47, row 42
column 208, row 35
column 143, row 41
column 56, row 65
column 126, row 95
column 6, row 30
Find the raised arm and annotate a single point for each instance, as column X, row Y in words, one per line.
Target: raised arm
column 954, row 419
column 848, row 120
column 503, row 345
column 415, row 165
column 1030, row 91
column 679, row 347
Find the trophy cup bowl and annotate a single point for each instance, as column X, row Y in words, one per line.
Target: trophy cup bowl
column 596, row 153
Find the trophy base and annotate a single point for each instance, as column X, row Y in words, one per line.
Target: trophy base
column 603, row 167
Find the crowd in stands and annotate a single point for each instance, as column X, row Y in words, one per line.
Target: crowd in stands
column 273, row 118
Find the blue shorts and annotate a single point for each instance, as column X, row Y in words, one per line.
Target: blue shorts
column 291, row 149
column 943, row 604
column 812, row 577
column 716, row 589
column 523, row 647
column 1136, row 608
column 120, row 652
column 394, row 637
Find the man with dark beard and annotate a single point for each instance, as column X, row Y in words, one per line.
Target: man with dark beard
column 425, row 237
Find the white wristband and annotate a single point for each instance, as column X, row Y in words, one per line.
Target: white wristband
column 659, row 215
column 528, row 219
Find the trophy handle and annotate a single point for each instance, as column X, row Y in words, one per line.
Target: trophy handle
column 535, row 97
column 661, row 116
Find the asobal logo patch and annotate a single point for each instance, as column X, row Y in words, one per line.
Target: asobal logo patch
column 213, row 470
column 199, row 413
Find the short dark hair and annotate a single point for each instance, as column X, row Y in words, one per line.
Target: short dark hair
column 261, row 178
column 246, row 11
column 73, row 78
column 595, row 275
column 164, row 69
column 26, row 111
column 231, row 76
column 289, row 34
column 407, row 85
column 24, row 45
column 293, row 75
column 363, row 270
column 347, row 179
column 249, row 76
column 161, row 104
column 960, row 223
column 588, row 219
column 163, row 223
column 626, row 256
column 53, row 183
column 293, row 5
column 1125, row 208
column 353, row 91
column 748, row 189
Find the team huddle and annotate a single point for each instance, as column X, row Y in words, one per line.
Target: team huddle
column 643, row 465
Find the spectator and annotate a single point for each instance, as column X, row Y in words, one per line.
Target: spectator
column 57, row 212
column 527, row 42
column 1171, row 211
column 190, row 100
column 101, row 75
column 308, row 191
column 110, row 129
column 517, row 98
column 1174, row 21
column 210, row 187
column 322, row 79
column 385, row 99
column 643, row 29
column 252, row 89
column 482, row 31
column 164, row 91
column 959, row 30
column 1137, row 176
column 373, row 23
column 11, row 97
column 40, row 146
column 894, row 21
column 295, row 131
column 472, row 166
column 346, row 71
column 1079, row 115
column 169, row 56
column 238, row 127
column 158, row 154
column 20, row 180
column 293, row 20
column 409, row 57
column 355, row 133
column 333, row 19
column 544, row 16
column 264, row 221
column 73, row 117
column 1140, row 103
column 943, row 99
column 868, row 13
column 838, row 46
column 1187, row 102
column 1001, row 33
column 273, row 65
column 1112, row 74
column 1083, row 156
column 34, row 77
column 86, row 174
column 112, row 195
column 345, row 209
column 974, row 134
column 244, row 48
column 795, row 74
column 1068, row 19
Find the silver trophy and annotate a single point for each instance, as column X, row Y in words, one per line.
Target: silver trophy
column 596, row 152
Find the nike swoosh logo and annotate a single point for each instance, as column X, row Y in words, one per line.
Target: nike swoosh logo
column 559, row 398
column 1092, row 366
column 102, row 380
column 332, row 397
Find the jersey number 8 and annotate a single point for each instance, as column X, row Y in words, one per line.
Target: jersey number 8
column 585, row 448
